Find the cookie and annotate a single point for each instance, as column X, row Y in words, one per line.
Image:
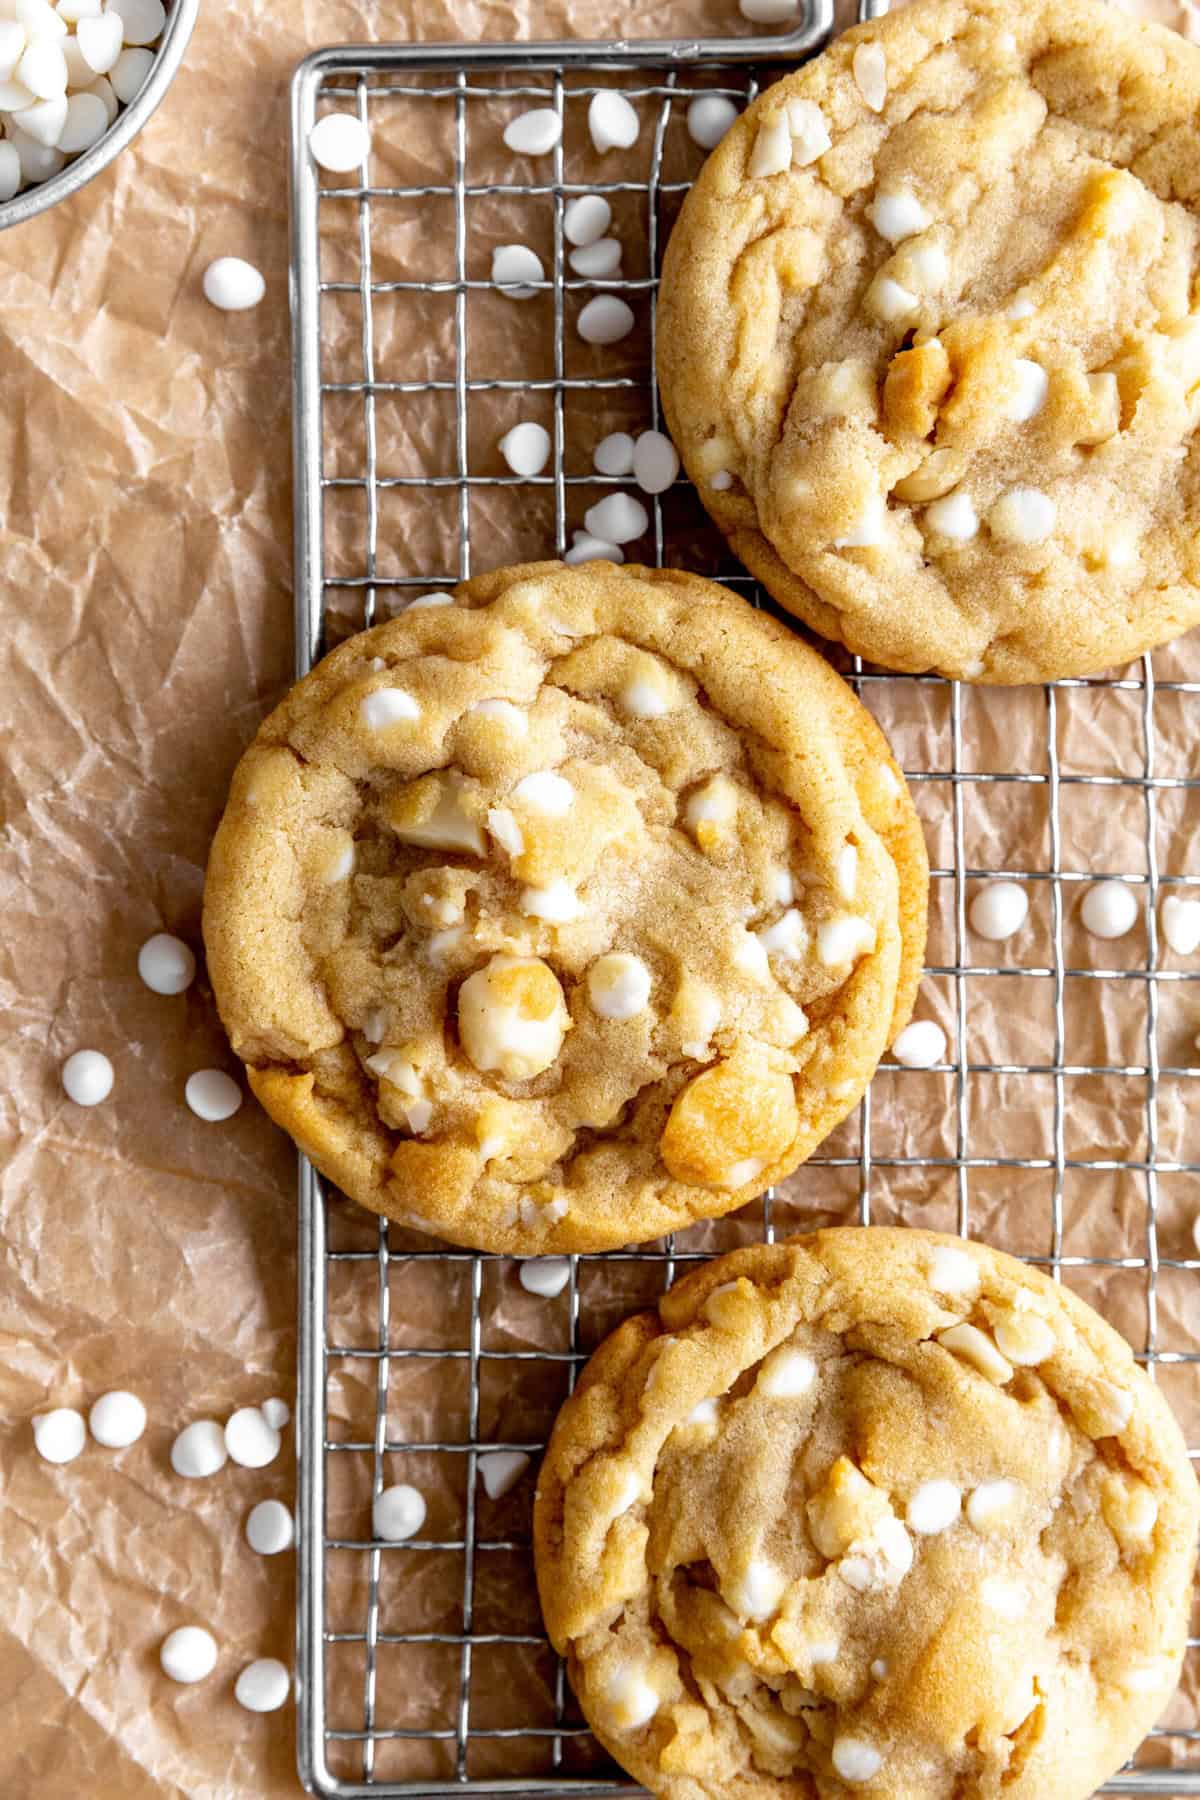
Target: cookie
column 566, row 912
column 874, row 1509
column 929, row 338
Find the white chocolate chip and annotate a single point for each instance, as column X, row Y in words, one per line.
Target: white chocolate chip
column 655, row 462
column 721, row 482
column 1143, row 1678
column 526, row 449
column 868, row 528
column 787, row 938
column 926, row 265
column 598, row 261
column 587, row 548
column 750, row 957
column 897, row 214
column 933, row 1508
column 889, row 301
column 772, row 152
column 1020, row 307
column 618, row 986
column 847, row 871
column 920, row 1045
column 855, row 1760
column 586, row 219
column 738, row 1174
column 270, row 1528
column 844, row 939
column 276, row 1412
column 546, row 792
column 397, row 1513
column 514, row 719
column 534, row 133
column 504, row 828
column 1024, row 1338
column 704, row 1415
column 708, row 119
column 870, row 75
column 712, row 804
column 786, row 1374
column 612, row 121
column 702, row 1015
column 1008, row 1599
column 781, row 889
column 394, row 1067
column 199, row 1450
column 340, row 864
column 954, row 1272
column 617, row 519
column 229, row 283
column 613, row 455
column 557, row 902
column 188, row 1655
column 87, row 1077
column 605, row 320
column 953, row 517
column 250, row 1441
column 879, row 1669
column 999, row 910
column 756, row 1593
column 1030, row 387
column 1023, row 515
column 418, row 1114
column 629, row 1697
column 1115, row 1408
column 993, row 1503
column 389, row 706
column 977, row 1348
column 441, row 824
column 643, row 698
column 881, row 1560
column 59, row 1435
column 263, row 1686
column 545, row 1276
column 516, row 269
column 809, row 132
column 1110, row 909
column 117, row 1419
column 500, row 1471
column 1181, row 924
column 212, row 1095
column 512, row 1017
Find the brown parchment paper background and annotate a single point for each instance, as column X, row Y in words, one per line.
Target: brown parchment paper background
column 144, row 571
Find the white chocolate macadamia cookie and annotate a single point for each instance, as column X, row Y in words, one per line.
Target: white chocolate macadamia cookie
column 874, row 1508
column 557, row 917
column 929, row 338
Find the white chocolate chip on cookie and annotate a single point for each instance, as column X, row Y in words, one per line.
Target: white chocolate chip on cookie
column 618, row 986
column 512, row 1017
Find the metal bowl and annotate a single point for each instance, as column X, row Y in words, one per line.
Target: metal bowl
column 168, row 54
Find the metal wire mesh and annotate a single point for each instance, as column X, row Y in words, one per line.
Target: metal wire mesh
column 368, row 1726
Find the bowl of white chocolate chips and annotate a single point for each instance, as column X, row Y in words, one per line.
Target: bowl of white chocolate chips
column 78, row 80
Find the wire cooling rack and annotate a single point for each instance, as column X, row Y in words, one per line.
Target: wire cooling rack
column 404, row 1373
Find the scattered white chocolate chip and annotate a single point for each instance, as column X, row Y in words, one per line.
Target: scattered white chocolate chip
column 1181, row 924
column 188, row 1655
column 166, row 964
column 709, row 807
column 417, row 1114
column 212, row 1095
column 617, row 519
column 630, row 1699
column 977, row 1348
column 1024, row 1338
column 787, row 938
column 587, row 548
column 1113, row 1408
column 999, row 910
column 262, row 1686
column 643, row 698
column 516, row 269
column 545, row 1276
column 1143, row 1678
column 954, row 1272
column 231, row 284
column 722, row 481
column 512, row 1017
column 605, row 320
column 757, row 1592
column 340, row 865
column 933, row 1508
column 513, row 718
column 879, row 1669
column 844, row 939
column 397, row 1513
column 897, row 215
column 772, row 153
column 534, row 133
column 143, row 20
column 846, row 872
column 704, row 1415
column 613, row 455
column 868, row 528
column 1023, row 515
column 768, row 12
column 525, row 448
column 586, row 219
column 500, row 1471
column 199, row 1450
column 1021, row 306
column 655, row 462
column 117, row 1419
column 920, row 1045
column 59, row 1435
column 557, row 902
column 339, row 142
column 87, row 1077
column 618, row 986
column 612, row 121
column 1008, row 1599
column 889, row 301
column 1110, row 909
column 424, row 602
column 709, row 117
column 128, row 76
column 786, row 1374
column 870, row 75
column 270, row 1528
column 545, row 791
column 389, row 706
column 504, row 828
column 250, row 1441
column 809, row 132
column 993, row 1503
column 599, row 261
column 855, row 1760
column 750, row 956
column 100, row 38
column 953, row 517
column 881, row 1560
column 1031, row 384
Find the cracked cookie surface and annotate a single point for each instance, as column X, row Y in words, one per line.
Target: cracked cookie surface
column 929, row 338
column 872, row 1510
column 561, row 915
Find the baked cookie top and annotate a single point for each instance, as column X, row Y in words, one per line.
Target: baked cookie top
column 929, row 338
column 876, row 1509
column 565, row 912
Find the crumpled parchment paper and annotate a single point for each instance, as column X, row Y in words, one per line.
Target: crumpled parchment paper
column 145, row 550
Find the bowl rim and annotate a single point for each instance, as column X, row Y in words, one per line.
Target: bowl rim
column 168, row 54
